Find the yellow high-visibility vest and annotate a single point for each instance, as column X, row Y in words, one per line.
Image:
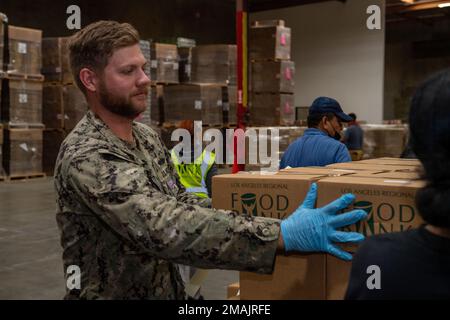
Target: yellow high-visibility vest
column 193, row 175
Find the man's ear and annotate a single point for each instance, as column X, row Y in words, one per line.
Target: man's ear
column 89, row 79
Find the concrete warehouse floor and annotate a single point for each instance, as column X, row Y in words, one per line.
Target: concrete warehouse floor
column 30, row 251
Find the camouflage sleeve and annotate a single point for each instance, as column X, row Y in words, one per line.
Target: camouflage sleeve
column 120, row 194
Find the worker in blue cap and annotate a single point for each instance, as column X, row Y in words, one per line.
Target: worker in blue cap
column 320, row 145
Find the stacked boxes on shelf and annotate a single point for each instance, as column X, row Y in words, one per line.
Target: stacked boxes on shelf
column 185, row 58
column 64, row 105
column 21, row 103
column 145, row 117
column 164, row 63
column 271, row 74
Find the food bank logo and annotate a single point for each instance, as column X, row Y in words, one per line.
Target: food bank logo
column 383, row 218
column 248, row 202
column 263, row 205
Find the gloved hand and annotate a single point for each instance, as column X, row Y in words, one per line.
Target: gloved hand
column 309, row 229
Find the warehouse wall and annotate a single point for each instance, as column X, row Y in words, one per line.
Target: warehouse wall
column 204, row 20
column 336, row 55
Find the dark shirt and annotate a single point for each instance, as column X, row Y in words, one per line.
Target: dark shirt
column 353, row 137
column 413, row 265
column 314, row 148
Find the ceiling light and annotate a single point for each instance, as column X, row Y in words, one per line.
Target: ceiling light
column 444, row 5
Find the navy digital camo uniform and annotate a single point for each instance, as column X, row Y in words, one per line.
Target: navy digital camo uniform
column 125, row 220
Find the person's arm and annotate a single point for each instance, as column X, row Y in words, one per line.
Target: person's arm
column 120, row 194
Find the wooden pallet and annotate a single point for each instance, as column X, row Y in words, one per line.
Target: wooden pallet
column 24, row 76
column 30, row 176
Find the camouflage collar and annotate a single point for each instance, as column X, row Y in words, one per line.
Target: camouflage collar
column 115, row 144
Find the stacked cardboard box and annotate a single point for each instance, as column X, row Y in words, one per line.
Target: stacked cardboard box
column 286, row 135
column 388, row 201
column 145, row 117
column 193, row 102
column 25, row 56
column 64, row 105
column 271, row 75
column 164, row 64
column 185, row 63
column 214, row 64
column 2, row 170
column 384, row 140
column 229, row 97
column 55, row 61
column 22, row 154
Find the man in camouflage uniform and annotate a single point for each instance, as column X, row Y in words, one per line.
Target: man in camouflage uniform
column 124, row 218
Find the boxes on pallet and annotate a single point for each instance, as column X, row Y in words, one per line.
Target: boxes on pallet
column 269, row 42
column 215, row 64
column 229, row 97
column 157, row 104
column 52, row 140
column 273, row 196
column 22, row 151
column 390, row 204
column 164, row 63
column 185, row 64
column 268, row 109
column 193, row 102
column 22, row 101
column 384, row 140
column 272, row 76
column 55, row 60
column 63, row 106
column 25, row 50
column 146, row 52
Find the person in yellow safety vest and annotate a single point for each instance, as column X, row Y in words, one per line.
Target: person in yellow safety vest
column 193, row 176
column 196, row 177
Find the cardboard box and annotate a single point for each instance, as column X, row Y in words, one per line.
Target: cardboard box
column 193, row 102
column 185, row 64
column 387, row 175
column 52, row 140
column 164, row 63
column 215, row 64
column 25, row 46
column 267, row 109
column 22, row 101
column 384, row 140
column 55, row 60
column 63, row 106
column 329, row 172
column 233, row 290
column 229, row 97
column 22, row 151
column 272, row 76
column 392, row 162
column 356, row 165
column 268, row 42
column 390, row 204
column 157, row 104
column 275, row 196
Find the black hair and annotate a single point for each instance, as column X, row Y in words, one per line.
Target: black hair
column 315, row 118
column 352, row 115
column 430, row 140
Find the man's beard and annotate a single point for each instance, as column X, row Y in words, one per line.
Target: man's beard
column 117, row 104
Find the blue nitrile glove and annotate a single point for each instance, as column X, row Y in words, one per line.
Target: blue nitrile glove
column 310, row 230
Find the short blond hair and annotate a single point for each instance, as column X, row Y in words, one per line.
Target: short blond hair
column 92, row 46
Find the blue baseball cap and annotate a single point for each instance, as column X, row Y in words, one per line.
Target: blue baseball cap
column 328, row 105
